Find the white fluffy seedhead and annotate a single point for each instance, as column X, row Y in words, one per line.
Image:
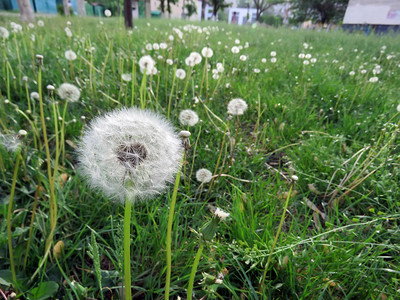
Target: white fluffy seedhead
column 237, row 107
column 69, row 92
column 130, row 154
column 188, row 117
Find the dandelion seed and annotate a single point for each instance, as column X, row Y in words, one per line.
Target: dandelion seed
column 306, row 62
column 149, row 47
column 196, row 57
column 4, row 33
column 313, row 60
column 180, row 73
column 352, row 73
column 263, row 60
column 127, row 77
column 130, row 154
column 156, row 46
column 68, row 32
column 147, row 64
column 373, row 79
column 10, row 141
column 40, row 23
column 207, row 52
column 220, row 67
column 203, row 175
column 273, row 53
column 235, row 50
column 69, row 92
column 70, row 55
column 243, row 57
column 221, row 214
column 237, row 107
column 163, row 46
column 188, row 117
column 107, row 13
column 273, row 60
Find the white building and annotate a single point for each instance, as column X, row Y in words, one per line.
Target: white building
column 373, row 12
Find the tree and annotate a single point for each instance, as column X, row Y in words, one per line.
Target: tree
column 203, row 9
column 217, row 5
column 26, row 11
column 190, row 8
column 128, row 13
column 323, row 11
column 263, row 5
column 80, row 4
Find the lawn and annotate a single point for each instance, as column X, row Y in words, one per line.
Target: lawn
column 306, row 162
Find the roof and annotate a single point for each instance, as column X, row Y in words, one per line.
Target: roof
column 375, row 12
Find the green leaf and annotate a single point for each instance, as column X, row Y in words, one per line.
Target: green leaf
column 5, row 277
column 45, row 290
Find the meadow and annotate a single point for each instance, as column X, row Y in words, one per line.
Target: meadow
column 290, row 192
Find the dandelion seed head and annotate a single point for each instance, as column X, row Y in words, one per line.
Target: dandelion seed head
column 221, row 214
column 203, row 175
column 107, row 13
column 207, row 52
column 4, row 32
column 70, row 55
column 147, row 64
column 188, row 117
column 180, row 73
column 69, row 92
column 237, row 107
column 127, row 77
column 130, row 154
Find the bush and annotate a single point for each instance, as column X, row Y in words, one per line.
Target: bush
column 272, row 20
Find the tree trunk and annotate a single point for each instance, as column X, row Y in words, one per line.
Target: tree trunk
column 26, row 11
column 162, row 7
column 147, row 8
column 258, row 15
column 128, row 13
column 81, row 7
column 66, row 8
column 203, row 10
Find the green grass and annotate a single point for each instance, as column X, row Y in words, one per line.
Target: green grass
column 336, row 132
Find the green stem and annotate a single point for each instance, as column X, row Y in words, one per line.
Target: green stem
column 10, row 205
column 169, row 233
column 127, row 249
column 193, row 272
column 262, row 287
column 170, row 95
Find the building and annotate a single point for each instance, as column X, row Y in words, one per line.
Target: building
column 377, row 15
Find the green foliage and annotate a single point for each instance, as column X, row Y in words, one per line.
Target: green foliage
column 324, row 11
column 338, row 132
column 272, row 20
column 191, row 8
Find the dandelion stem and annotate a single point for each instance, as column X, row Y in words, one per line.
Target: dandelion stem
column 193, row 272
column 10, row 205
column 169, row 232
column 172, row 92
column 127, row 249
column 262, row 287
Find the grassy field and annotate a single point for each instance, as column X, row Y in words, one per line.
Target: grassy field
column 308, row 173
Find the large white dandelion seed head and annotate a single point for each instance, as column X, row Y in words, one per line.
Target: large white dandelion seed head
column 207, row 52
column 237, row 107
column 180, row 73
column 188, row 117
column 70, row 55
column 107, row 13
column 203, row 175
column 235, row 50
column 130, row 154
column 196, row 57
column 69, row 92
column 4, row 32
column 147, row 64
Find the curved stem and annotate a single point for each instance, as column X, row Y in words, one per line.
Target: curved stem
column 127, row 249
column 193, row 272
column 169, row 233
column 262, row 287
column 10, row 205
